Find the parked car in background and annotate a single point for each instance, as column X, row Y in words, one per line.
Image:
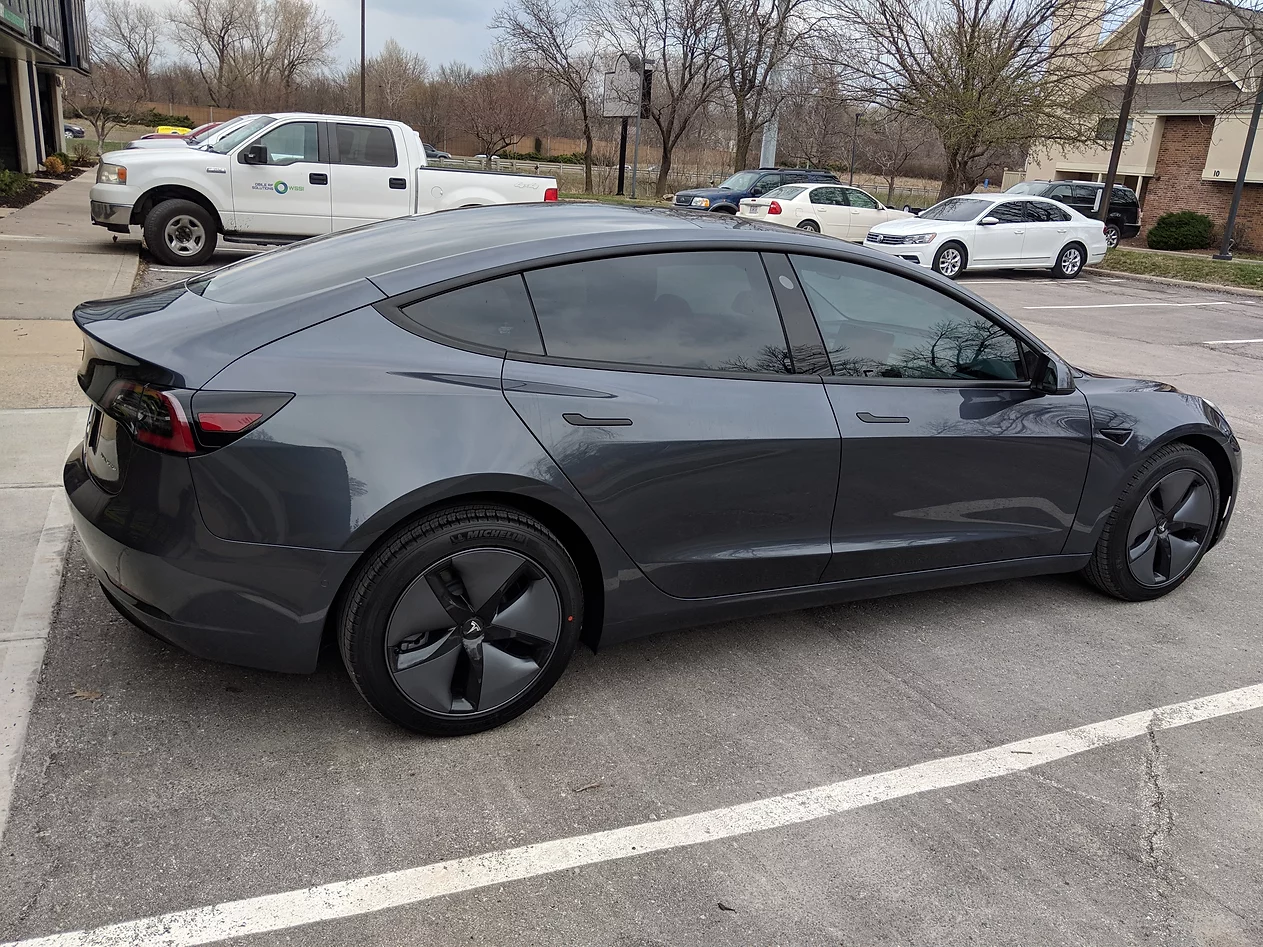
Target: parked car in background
column 994, row 231
column 172, row 130
column 1125, row 216
column 433, row 154
column 196, row 132
column 456, row 445
column 72, row 131
column 727, row 197
column 836, row 210
column 280, row 178
column 201, row 136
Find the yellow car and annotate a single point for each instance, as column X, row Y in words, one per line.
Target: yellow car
column 172, row 130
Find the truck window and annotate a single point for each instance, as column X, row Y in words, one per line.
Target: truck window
column 226, row 143
column 369, row 145
column 291, row 143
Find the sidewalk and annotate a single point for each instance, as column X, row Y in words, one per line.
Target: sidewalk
column 51, row 259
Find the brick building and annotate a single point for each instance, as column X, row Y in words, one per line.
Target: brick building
column 1189, row 117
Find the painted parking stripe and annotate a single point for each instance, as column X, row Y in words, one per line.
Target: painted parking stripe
column 1233, row 342
column 1213, row 302
column 366, row 895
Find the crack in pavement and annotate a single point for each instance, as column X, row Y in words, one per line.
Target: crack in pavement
column 1159, row 827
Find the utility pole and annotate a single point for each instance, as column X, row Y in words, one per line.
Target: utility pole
column 855, row 133
column 1124, row 114
column 1225, row 250
column 363, row 110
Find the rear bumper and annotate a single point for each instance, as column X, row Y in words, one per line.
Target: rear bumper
column 241, row 603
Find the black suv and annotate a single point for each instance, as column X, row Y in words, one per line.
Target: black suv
column 727, row 197
column 1085, row 197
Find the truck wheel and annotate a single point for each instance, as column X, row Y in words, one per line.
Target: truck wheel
column 180, row 233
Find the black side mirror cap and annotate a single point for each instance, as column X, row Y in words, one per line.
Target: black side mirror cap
column 255, row 154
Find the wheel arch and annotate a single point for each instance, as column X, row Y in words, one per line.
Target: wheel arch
column 167, row 192
column 1217, row 454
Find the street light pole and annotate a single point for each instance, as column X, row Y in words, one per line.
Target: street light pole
column 1225, row 251
column 1124, row 114
column 854, row 134
column 363, row 110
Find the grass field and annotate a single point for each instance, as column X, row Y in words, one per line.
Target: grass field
column 1196, row 269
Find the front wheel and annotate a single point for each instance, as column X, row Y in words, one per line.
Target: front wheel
column 1069, row 261
column 950, row 260
column 462, row 621
column 810, row 226
column 1160, row 528
column 180, row 233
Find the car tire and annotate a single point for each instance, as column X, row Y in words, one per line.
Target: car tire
column 1149, row 546
column 951, row 260
column 1070, row 261
column 810, row 226
column 724, row 209
column 180, row 233
column 1112, row 235
column 427, row 665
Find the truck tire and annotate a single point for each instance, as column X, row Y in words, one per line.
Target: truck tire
column 181, row 233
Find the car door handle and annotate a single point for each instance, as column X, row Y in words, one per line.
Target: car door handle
column 1062, row 230
column 1019, row 231
column 318, row 177
column 877, row 419
column 399, row 184
column 579, row 420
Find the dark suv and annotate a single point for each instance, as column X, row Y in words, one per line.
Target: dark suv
column 727, row 197
column 1085, row 197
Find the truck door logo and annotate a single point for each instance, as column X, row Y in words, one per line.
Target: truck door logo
column 280, row 187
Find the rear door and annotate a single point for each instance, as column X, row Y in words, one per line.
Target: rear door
column 1047, row 231
column 290, row 193
column 1000, row 244
column 668, row 396
column 370, row 179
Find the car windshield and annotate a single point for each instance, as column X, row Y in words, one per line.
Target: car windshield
column 1026, row 187
column 235, row 137
column 956, row 208
column 741, row 181
column 786, row 192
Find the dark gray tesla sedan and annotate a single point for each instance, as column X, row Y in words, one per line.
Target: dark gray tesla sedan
column 458, row 444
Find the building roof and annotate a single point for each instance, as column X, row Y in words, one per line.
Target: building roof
column 1175, row 98
column 1230, row 33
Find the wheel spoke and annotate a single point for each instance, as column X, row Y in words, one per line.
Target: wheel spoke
column 1173, row 489
column 448, row 588
column 1144, row 521
column 474, row 652
column 535, row 614
column 1144, row 559
column 425, row 675
column 504, row 676
column 417, row 612
column 487, row 574
column 1196, row 511
column 1162, row 559
column 1180, row 554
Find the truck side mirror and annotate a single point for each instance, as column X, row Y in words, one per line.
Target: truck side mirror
column 255, row 154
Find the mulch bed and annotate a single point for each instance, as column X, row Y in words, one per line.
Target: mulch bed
column 68, row 175
column 29, row 196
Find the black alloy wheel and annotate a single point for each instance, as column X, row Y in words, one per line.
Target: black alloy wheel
column 1170, row 528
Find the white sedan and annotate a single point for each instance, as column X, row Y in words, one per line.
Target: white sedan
column 994, row 231
column 837, row 210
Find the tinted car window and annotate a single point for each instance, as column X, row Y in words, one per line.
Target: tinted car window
column 1085, row 194
column 766, row 183
column 1055, row 213
column 710, row 311
column 496, row 314
column 1010, row 212
column 1123, row 195
column 369, row 145
column 879, row 325
column 289, row 144
column 1062, row 192
column 1037, row 213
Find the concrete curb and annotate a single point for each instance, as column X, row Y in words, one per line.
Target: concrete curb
column 1146, row 278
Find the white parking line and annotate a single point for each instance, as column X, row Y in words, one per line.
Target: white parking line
column 1003, row 282
column 1215, row 302
column 1233, row 342
column 340, row 899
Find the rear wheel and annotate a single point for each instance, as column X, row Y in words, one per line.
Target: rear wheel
column 1112, row 235
column 180, row 233
column 462, row 621
column 1069, row 261
column 810, row 226
column 950, row 260
column 1160, row 528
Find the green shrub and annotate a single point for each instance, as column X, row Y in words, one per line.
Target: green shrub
column 1185, row 230
column 13, row 183
column 576, row 158
column 62, row 157
column 154, row 118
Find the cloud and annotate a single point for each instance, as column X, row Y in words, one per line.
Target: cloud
column 440, row 30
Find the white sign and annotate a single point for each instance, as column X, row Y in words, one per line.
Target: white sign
column 622, row 90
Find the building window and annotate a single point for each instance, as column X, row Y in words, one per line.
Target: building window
column 1105, row 128
column 1158, row 57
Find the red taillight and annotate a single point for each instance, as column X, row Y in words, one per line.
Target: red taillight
column 226, row 422
column 774, row 208
column 153, row 416
column 550, row 194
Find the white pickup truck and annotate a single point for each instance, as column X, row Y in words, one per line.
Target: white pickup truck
column 285, row 177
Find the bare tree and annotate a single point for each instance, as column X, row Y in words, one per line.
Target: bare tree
column 683, row 38
column 986, row 75
column 498, row 105
column 816, row 114
column 554, row 38
column 759, row 37
column 128, row 33
column 213, row 33
column 104, row 98
column 890, row 142
column 285, row 42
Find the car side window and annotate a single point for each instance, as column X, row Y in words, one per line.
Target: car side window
column 371, row 146
column 765, row 184
column 829, row 196
column 1056, row 214
column 858, row 198
column 496, row 314
column 710, row 311
column 291, row 143
column 877, row 324
column 1038, row 213
column 1010, row 212
column 1084, row 194
column 1062, row 192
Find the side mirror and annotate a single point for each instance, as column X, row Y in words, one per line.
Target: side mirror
column 1052, row 376
column 255, row 154
column 988, row 221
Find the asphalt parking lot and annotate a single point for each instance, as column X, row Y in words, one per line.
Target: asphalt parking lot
column 154, row 782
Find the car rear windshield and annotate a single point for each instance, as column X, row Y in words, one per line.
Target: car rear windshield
column 956, row 208
column 237, row 136
column 786, row 192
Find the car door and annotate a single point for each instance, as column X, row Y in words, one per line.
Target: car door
column 828, row 205
column 1047, row 231
column 949, row 456
column 1000, row 244
column 865, row 213
column 668, row 396
column 370, row 178
column 288, row 191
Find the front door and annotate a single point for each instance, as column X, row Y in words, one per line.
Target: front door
column 865, row 213
column 289, row 194
column 370, row 179
column 667, row 396
column 1000, row 244
column 828, row 205
column 949, row 457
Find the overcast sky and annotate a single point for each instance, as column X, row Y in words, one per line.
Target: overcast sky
column 440, row 30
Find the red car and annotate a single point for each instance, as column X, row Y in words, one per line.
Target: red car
column 191, row 136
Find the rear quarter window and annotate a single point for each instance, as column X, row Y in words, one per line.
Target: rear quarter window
column 495, row 314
